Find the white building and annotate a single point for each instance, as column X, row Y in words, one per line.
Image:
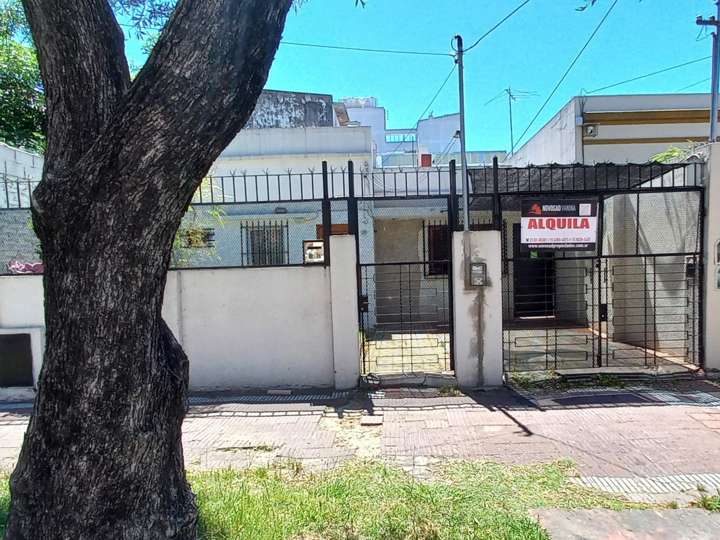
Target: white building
column 618, row 129
column 299, row 149
column 20, row 163
column 294, row 131
column 432, row 141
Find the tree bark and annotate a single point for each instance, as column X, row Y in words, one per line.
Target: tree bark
column 102, row 456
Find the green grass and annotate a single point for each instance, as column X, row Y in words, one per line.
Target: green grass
column 4, row 501
column 372, row 501
column 707, row 501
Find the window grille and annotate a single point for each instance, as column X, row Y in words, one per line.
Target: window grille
column 266, row 244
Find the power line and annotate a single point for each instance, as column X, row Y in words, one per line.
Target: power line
column 336, row 47
column 422, row 114
column 664, row 70
column 363, row 49
column 693, row 85
column 446, row 150
column 497, row 25
column 567, row 71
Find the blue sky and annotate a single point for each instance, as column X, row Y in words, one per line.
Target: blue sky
column 529, row 52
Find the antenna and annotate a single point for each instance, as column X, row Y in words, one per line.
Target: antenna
column 512, row 95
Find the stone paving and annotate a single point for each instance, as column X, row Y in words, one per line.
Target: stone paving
column 688, row 523
column 623, row 434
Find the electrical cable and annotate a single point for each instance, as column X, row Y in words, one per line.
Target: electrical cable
column 446, row 150
column 568, row 70
column 363, row 49
column 497, row 25
column 336, row 47
column 664, row 70
column 693, row 85
column 422, row 114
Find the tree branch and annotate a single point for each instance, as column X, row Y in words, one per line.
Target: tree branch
column 195, row 92
column 85, row 73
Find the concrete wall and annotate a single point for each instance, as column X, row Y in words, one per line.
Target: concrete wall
column 712, row 264
column 558, row 141
column 280, row 109
column 21, row 163
column 369, row 115
column 434, row 134
column 244, row 328
column 478, row 311
column 256, row 151
column 21, row 312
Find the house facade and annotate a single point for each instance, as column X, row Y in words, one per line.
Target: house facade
column 313, row 274
column 617, row 129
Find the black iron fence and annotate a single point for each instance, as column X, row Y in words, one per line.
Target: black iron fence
column 232, row 215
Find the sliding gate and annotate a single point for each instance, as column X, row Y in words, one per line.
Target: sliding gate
column 634, row 302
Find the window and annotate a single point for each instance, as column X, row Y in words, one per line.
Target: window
column 16, row 365
column 400, row 137
column 314, row 114
column 438, row 252
column 267, row 245
column 198, row 237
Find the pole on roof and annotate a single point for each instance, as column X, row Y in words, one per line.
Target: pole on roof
column 463, row 156
column 714, row 22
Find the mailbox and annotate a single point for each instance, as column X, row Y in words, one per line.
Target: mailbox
column 313, row 252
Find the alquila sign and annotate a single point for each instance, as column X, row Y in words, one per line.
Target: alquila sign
column 559, row 224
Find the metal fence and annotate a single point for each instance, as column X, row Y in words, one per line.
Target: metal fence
column 263, row 219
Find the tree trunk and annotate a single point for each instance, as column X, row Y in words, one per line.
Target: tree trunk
column 102, row 456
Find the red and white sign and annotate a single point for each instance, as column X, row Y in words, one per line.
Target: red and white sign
column 559, row 224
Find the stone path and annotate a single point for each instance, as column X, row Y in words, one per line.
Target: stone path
column 688, row 523
column 660, row 435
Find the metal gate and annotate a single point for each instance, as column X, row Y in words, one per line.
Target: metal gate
column 404, row 271
column 632, row 304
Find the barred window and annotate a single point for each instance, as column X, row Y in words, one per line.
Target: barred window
column 267, row 245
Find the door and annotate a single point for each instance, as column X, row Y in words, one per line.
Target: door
column 533, row 280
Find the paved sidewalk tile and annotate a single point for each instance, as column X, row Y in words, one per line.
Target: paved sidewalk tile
column 685, row 524
column 654, row 440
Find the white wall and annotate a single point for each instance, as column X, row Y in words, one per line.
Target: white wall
column 256, row 327
column 374, row 118
column 244, row 327
column 557, row 141
column 434, row 134
column 344, row 306
column 255, row 151
column 561, row 139
column 478, row 311
column 21, row 312
column 712, row 268
column 18, row 162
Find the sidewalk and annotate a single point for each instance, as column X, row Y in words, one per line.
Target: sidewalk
column 650, row 443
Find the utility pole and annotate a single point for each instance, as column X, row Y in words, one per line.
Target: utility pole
column 512, row 138
column 714, row 22
column 463, row 156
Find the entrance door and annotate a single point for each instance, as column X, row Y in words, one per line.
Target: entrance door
column 533, row 280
